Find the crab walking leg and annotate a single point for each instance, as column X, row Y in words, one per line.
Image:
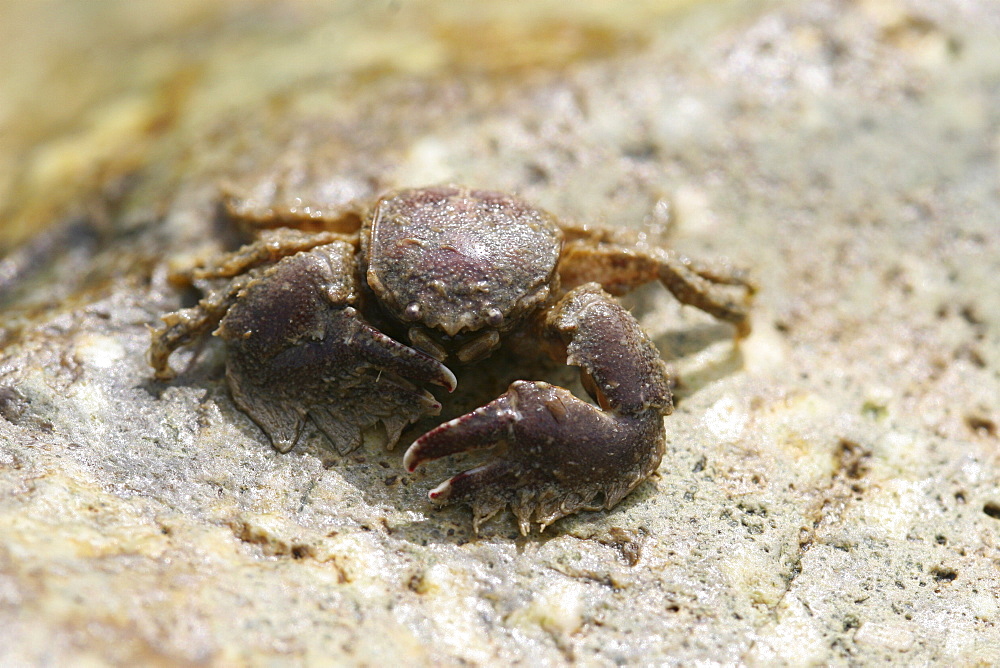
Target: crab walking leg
column 273, row 245
column 562, row 454
column 190, row 324
column 619, row 269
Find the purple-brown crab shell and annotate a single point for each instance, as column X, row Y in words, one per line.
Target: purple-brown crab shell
column 460, row 260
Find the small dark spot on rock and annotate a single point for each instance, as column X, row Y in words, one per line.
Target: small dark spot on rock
column 983, row 426
column 536, row 174
column 968, row 313
column 643, row 150
column 943, row 574
column 940, row 539
column 971, row 353
column 753, row 508
column 992, row 509
column 270, row 545
column 874, row 410
column 852, row 459
column 628, row 543
column 301, row 551
column 417, row 583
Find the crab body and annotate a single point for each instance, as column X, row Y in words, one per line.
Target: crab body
column 463, row 267
column 451, row 272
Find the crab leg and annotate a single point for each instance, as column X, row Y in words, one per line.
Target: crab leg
column 190, row 324
column 619, row 269
column 187, row 325
column 563, row 454
column 272, row 246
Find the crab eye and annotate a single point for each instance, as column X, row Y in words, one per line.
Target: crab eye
column 494, row 317
column 412, row 312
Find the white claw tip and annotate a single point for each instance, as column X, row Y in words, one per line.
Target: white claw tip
column 450, row 379
column 441, row 492
column 410, row 461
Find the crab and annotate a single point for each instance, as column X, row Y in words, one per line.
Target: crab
column 346, row 327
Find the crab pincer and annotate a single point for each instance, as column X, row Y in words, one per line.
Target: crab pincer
column 557, row 454
column 294, row 339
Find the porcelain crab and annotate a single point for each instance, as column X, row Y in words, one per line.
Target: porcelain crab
column 345, row 327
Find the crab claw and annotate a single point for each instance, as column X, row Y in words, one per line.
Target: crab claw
column 562, row 455
column 298, row 351
column 379, row 350
column 557, row 454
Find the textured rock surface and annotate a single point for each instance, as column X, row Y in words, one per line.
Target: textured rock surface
column 830, row 491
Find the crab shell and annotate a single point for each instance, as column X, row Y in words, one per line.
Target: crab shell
column 455, row 262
